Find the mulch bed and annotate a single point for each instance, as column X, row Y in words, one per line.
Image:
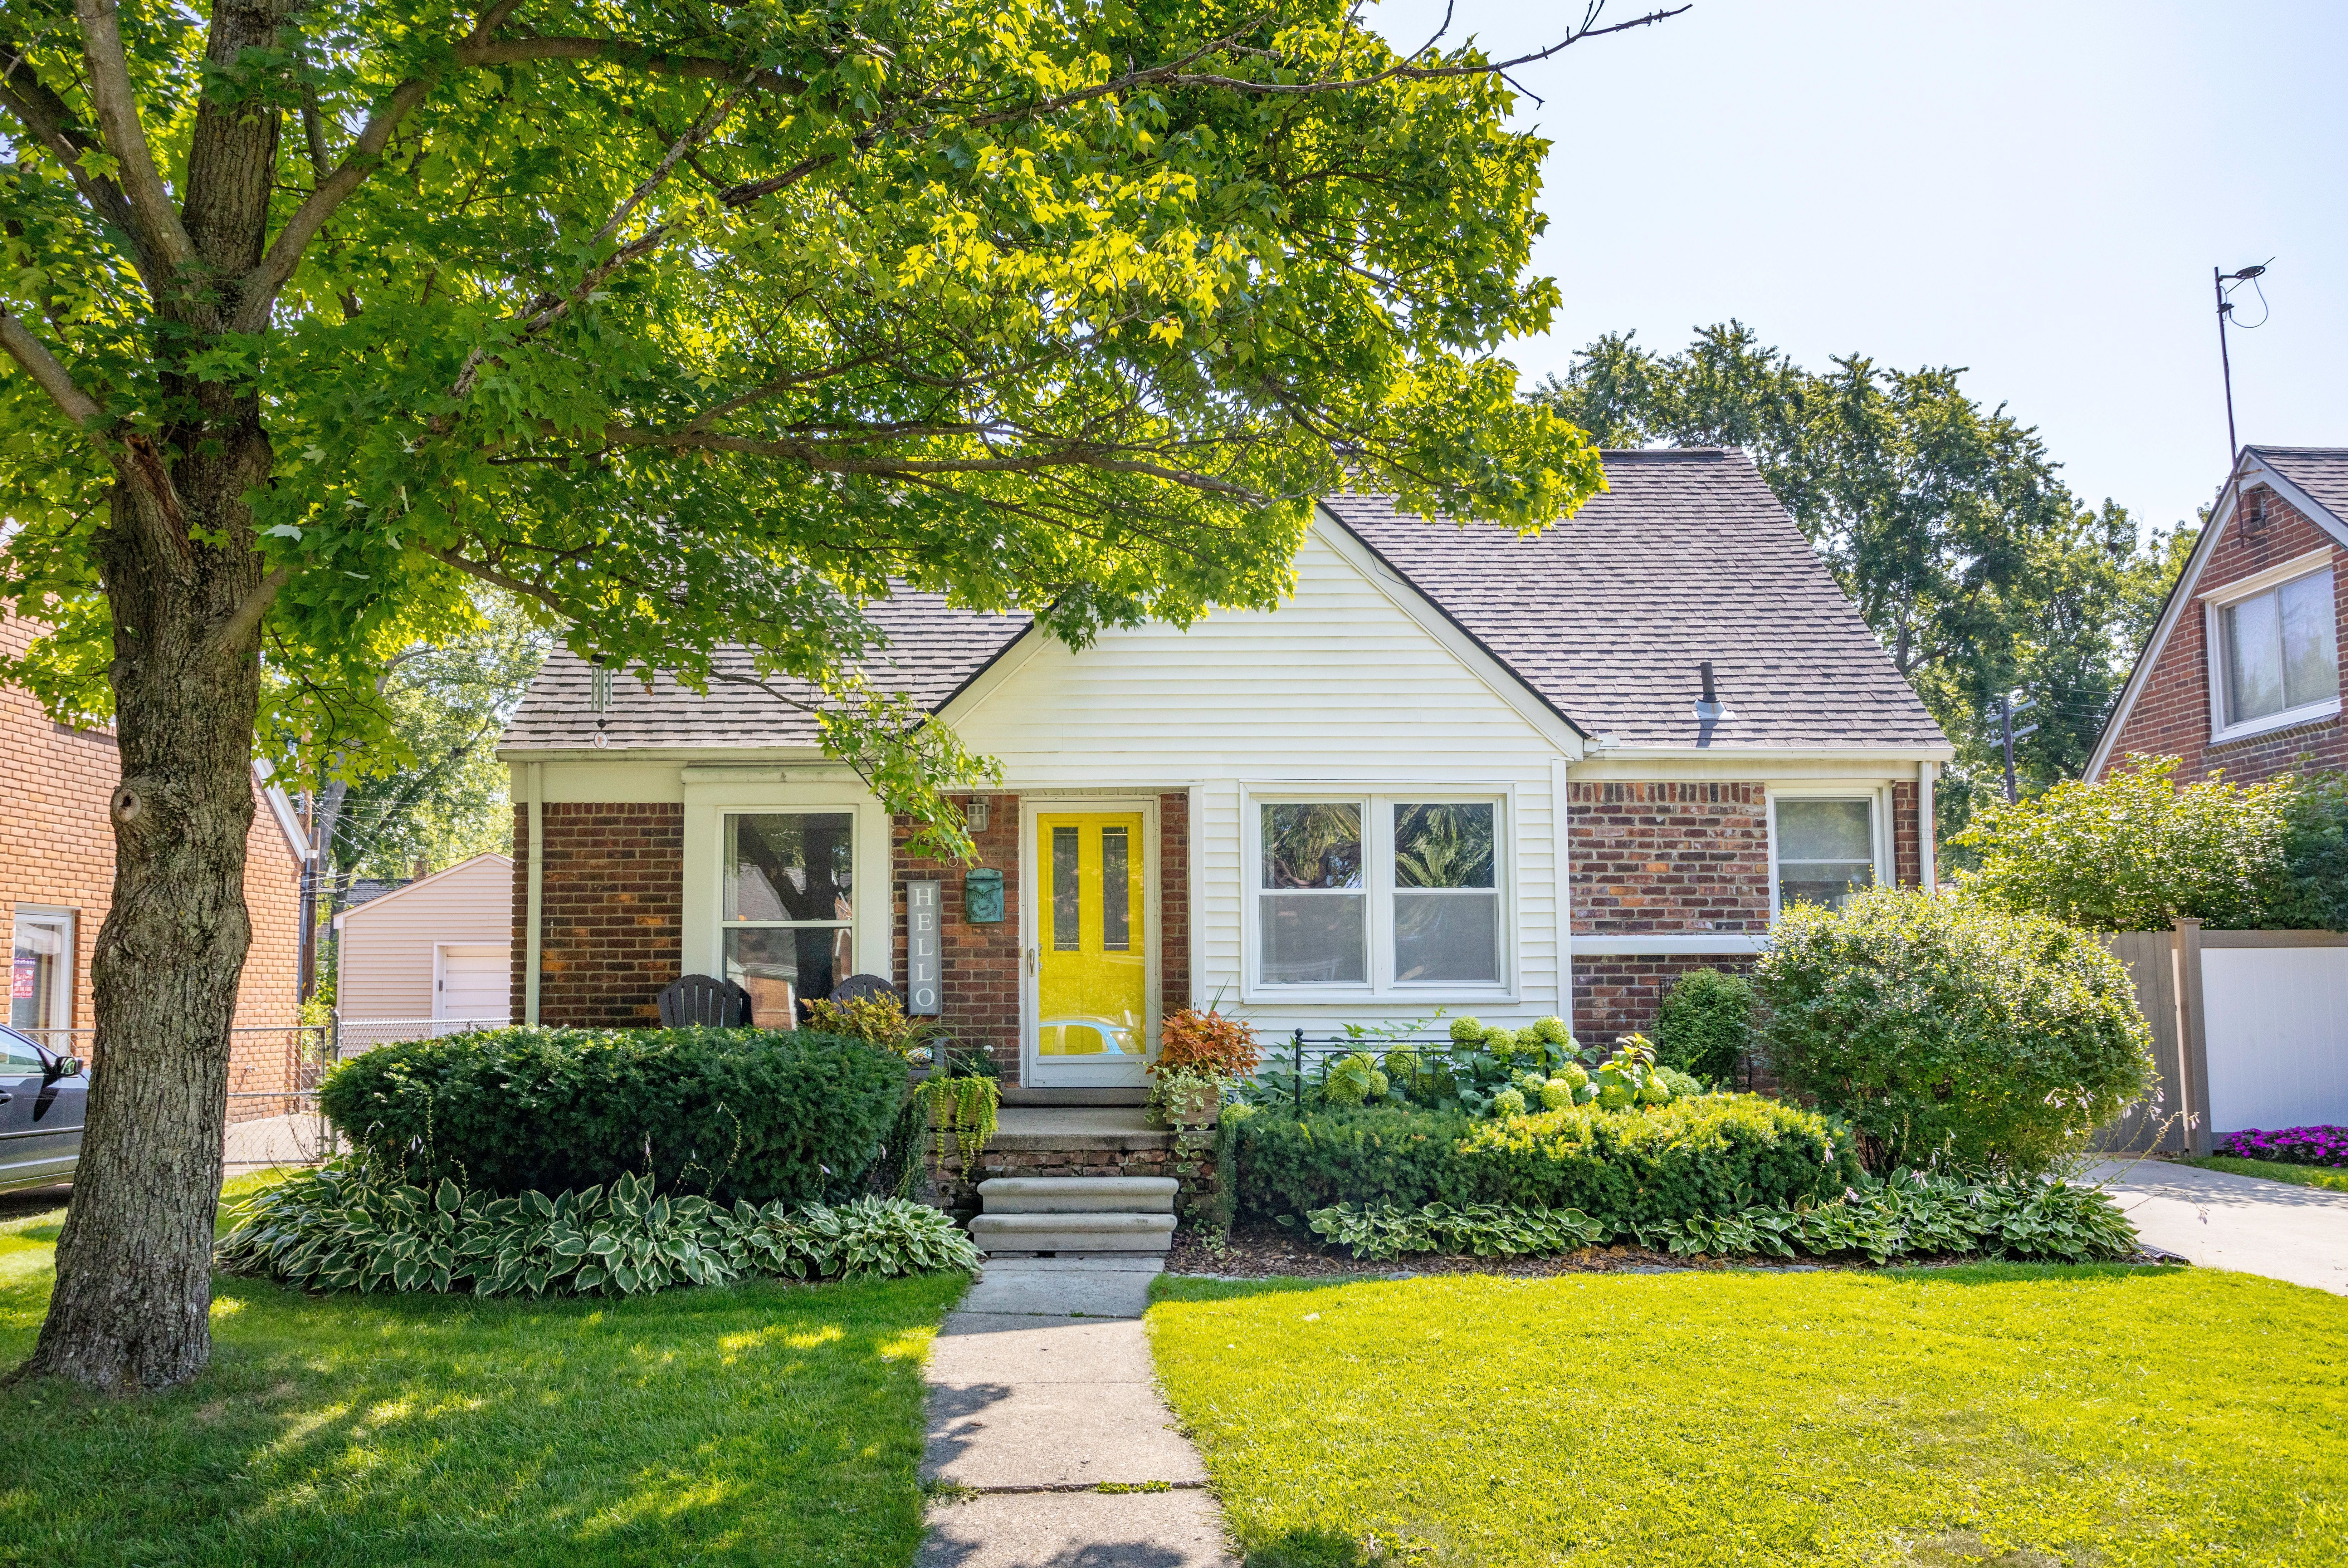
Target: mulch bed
column 1271, row 1252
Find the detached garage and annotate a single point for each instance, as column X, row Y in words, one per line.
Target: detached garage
column 437, row 950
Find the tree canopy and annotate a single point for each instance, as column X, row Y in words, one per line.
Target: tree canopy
column 701, row 324
column 1946, row 522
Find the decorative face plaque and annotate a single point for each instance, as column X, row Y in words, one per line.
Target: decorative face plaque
column 925, row 913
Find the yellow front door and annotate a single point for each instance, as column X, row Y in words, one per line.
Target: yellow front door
column 1092, row 970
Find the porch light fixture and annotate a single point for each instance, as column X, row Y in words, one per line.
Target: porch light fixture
column 973, row 815
column 598, row 698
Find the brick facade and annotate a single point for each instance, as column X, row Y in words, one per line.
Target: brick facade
column 57, row 849
column 1676, row 858
column 614, row 889
column 2170, row 716
column 1149, row 1155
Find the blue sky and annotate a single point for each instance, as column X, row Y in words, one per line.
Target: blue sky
column 2035, row 191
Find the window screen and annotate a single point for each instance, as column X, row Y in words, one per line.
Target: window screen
column 1826, row 850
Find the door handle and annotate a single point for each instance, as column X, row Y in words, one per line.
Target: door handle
column 1031, row 960
column 7, row 1100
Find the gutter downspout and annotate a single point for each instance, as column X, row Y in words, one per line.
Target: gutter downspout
column 537, row 899
column 1927, row 861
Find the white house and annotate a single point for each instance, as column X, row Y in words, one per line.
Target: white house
column 1459, row 769
column 438, row 947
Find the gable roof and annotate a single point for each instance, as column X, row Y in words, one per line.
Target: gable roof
column 394, row 893
column 2313, row 479
column 1687, row 555
column 1602, row 617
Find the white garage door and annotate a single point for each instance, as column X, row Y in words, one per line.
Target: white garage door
column 476, row 983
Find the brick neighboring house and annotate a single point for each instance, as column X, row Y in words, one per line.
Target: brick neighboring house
column 1456, row 769
column 2243, row 671
column 57, row 877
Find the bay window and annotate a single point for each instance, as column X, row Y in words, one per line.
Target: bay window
column 1384, row 892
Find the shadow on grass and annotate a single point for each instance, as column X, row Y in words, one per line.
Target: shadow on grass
column 760, row 1423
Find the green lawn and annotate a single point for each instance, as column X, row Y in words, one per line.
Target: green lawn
column 2274, row 1171
column 2015, row 1415
column 765, row 1424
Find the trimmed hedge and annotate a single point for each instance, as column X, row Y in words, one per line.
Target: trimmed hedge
column 1713, row 1154
column 750, row 1115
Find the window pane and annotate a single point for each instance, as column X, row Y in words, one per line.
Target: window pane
column 779, row 967
column 1443, row 846
column 1823, row 882
column 1313, row 845
column 2253, row 660
column 16, row 1057
column 794, row 866
column 2310, row 655
column 1825, row 830
column 1313, row 938
column 1117, row 907
column 1067, row 888
column 39, row 960
column 1446, row 937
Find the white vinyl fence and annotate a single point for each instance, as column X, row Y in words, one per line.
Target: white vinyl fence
column 2249, row 1030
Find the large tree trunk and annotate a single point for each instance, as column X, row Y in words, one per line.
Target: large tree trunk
column 133, row 1299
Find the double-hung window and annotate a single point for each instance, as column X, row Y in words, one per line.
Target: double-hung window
column 40, row 992
column 1385, row 892
column 788, row 907
column 1826, row 848
column 2278, row 654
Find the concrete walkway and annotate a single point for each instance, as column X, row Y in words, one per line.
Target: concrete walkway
column 2220, row 1220
column 1040, row 1395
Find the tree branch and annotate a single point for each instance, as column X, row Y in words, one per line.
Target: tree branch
column 52, row 377
column 50, row 120
column 239, row 625
column 624, row 52
column 156, row 221
column 816, row 457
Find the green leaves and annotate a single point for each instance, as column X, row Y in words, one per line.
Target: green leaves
column 342, row 1227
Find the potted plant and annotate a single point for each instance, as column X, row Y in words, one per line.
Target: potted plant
column 1198, row 1052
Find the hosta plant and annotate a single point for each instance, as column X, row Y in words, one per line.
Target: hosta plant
column 346, row 1226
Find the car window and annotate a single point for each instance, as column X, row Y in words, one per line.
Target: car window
column 17, row 1056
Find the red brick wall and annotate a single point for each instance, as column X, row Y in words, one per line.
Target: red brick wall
column 978, row 967
column 57, row 847
column 614, row 893
column 1676, row 858
column 2170, row 716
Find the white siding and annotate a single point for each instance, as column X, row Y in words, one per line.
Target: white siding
column 2277, row 1035
column 1338, row 687
column 384, row 966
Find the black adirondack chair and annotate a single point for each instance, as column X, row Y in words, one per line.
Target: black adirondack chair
column 705, row 1000
column 864, row 988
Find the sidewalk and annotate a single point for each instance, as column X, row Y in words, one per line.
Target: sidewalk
column 1040, row 1396
column 2220, row 1220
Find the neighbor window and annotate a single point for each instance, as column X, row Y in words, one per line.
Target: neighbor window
column 40, row 993
column 1379, row 892
column 2280, row 649
column 790, row 907
column 1826, row 850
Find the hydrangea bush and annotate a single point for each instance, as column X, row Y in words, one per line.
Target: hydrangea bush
column 2291, row 1145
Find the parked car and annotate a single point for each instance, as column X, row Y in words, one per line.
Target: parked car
column 43, row 1096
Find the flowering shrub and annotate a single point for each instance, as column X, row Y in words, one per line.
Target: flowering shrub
column 2292, row 1145
column 1207, row 1042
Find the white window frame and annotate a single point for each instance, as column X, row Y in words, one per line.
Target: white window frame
column 2215, row 602
column 706, row 807
column 61, row 983
column 1881, row 837
column 1378, row 802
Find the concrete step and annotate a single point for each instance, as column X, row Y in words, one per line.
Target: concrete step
column 1078, row 1195
column 1065, row 1233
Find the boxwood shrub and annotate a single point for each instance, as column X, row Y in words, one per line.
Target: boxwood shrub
column 1712, row 1155
column 750, row 1115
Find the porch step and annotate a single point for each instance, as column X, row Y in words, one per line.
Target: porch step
column 1078, row 1195
column 1131, row 1095
column 1061, row 1233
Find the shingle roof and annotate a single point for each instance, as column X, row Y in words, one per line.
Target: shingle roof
column 933, row 649
column 2321, row 471
column 1687, row 555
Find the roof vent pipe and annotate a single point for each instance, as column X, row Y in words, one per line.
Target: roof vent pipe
column 1710, row 707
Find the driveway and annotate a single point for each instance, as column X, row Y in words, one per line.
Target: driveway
column 2224, row 1221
